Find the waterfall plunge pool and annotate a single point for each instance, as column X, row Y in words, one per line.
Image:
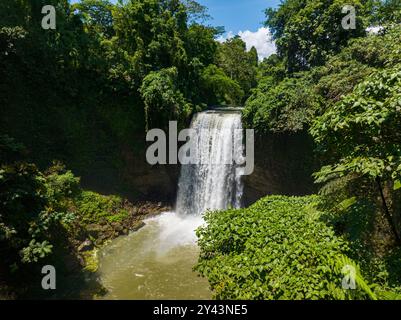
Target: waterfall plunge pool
column 155, row 262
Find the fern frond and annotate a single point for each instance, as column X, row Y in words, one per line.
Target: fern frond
column 361, row 283
column 388, row 295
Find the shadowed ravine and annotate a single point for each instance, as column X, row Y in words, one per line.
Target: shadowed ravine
column 156, row 262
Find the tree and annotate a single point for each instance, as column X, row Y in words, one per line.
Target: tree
column 360, row 133
column 201, row 44
column 289, row 105
column 389, row 11
column 307, row 32
column 97, row 15
column 253, row 56
column 219, row 89
column 237, row 63
column 33, row 205
column 163, row 100
column 197, row 13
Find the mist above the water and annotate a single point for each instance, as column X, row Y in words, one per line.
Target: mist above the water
column 174, row 230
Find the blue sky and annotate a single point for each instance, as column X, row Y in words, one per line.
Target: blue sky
column 238, row 15
column 245, row 18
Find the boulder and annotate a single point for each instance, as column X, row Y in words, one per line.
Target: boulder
column 137, row 225
column 87, row 245
column 94, row 230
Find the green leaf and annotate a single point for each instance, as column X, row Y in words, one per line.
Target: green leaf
column 397, row 184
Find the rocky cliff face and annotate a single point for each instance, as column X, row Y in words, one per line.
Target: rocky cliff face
column 283, row 165
column 133, row 178
column 153, row 183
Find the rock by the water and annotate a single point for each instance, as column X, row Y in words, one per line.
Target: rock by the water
column 137, row 226
column 87, row 245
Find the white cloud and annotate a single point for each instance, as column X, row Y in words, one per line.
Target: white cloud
column 374, row 30
column 229, row 35
column 261, row 40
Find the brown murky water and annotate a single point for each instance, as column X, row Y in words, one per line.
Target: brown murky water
column 155, row 263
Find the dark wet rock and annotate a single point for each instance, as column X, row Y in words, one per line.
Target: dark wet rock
column 104, row 230
column 284, row 164
column 138, row 225
column 94, row 230
column 72, row 263
column 118, row 228
column 87, row 245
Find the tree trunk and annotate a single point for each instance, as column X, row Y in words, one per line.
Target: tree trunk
column 387, row 212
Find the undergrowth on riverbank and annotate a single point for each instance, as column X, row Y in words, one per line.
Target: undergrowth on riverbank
column 279, row 248
column 47, row 218
column 95, row 207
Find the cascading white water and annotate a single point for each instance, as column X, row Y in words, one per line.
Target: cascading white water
column 156, row 262
column 214, row 183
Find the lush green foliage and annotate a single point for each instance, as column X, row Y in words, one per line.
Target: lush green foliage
column 291, row 102
column 388, row 10
column 96, row 208
column 360, row 132
column 41, row 211
column 238, row 64
column 85, row 94
column 348, row 95
column 162, row 97
column 276, row 249
column 286, row 106
column 87, row 91
column 33, row 206
column 309, row 31
column 219, row 88
column 357, row 220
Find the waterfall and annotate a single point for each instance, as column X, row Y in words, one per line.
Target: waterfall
column 156, row 262
column 214, row 183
